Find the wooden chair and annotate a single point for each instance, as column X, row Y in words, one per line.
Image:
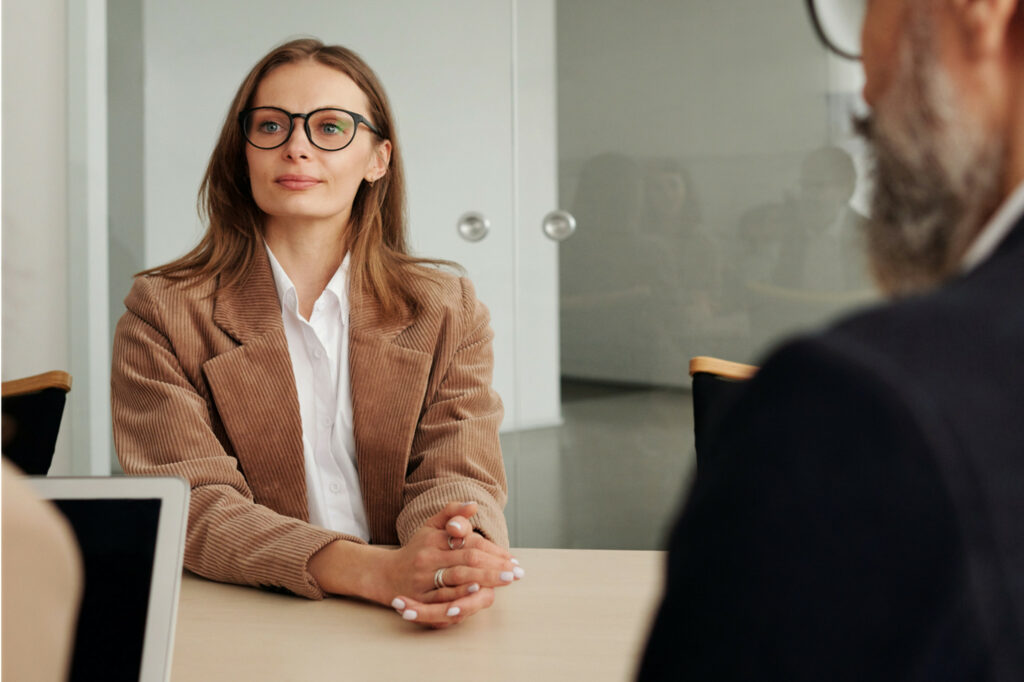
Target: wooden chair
column 32, row 410
column 716, row 384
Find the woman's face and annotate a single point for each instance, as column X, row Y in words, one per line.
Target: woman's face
column 298, row 181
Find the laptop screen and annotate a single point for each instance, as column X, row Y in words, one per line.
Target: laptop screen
column 117, row 538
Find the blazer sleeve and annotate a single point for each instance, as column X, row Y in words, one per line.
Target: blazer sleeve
column 163, row 427
column 456, row 454
column 821, row 543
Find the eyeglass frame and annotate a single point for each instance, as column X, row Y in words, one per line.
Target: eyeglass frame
column 823, row 36
column 357, row 118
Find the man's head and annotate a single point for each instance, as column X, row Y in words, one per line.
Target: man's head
column 945, row 80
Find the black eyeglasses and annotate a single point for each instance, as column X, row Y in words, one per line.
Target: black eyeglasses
column 328, row 129
column 838, row 24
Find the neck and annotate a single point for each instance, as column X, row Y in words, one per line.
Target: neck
column 309, row 252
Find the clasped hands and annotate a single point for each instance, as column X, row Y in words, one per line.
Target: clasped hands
column 444, row 574
column 447, row 572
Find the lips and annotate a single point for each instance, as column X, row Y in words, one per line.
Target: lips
column 296, row 182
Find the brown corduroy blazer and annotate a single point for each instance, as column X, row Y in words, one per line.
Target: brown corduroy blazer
column 202, row 387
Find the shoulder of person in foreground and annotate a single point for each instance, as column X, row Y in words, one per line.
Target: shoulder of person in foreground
column 822, row 542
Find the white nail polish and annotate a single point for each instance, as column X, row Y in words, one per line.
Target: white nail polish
column 455, row 524
column 397, row 603
column 518, row 572
column 473, row 588
column 453, row 611
column 507, row 576
column 465, row 504
column 409, row 614
column 514, row 560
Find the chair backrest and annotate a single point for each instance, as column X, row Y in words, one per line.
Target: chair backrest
column 716, row 385
column 32, row 410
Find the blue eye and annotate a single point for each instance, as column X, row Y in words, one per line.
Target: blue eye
column 269, row 127
column 334, row 127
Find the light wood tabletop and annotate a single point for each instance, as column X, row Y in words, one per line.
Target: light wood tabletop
column 576, row 615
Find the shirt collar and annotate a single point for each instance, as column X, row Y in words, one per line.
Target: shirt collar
column 985, row 244
column 338, row 286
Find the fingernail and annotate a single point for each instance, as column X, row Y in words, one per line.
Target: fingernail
column 473, row 588
column 397, row 603
column 518, row 572
column 409, row 614
column 514, row 560
column 453, row 611
column 507, row 576
column 466, row 504
column 455, row 524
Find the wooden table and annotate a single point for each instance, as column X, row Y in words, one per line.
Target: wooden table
column 577, row 615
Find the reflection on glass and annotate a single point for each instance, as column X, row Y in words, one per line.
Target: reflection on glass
column 717, row 222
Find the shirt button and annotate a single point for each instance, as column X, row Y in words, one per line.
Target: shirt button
column 318, row 353
column 335, row 488
column 326, row 421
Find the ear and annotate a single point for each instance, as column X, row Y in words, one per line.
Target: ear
column 379, row 162
column 985, row 24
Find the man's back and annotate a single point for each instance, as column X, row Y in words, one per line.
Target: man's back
column 860, row 518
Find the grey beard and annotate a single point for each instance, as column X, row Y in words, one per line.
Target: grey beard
column 937, row 175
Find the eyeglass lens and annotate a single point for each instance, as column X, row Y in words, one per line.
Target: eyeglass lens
column 841, row 21
column 329, row 129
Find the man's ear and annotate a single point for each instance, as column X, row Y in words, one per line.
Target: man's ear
column 986, row 24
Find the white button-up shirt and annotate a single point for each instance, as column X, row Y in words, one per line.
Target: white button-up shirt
column 988, row 240
column 319, row 353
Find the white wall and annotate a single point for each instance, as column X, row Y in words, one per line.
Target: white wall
column 34, row 182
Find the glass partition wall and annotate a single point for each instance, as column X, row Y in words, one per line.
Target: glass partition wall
column 704, row 149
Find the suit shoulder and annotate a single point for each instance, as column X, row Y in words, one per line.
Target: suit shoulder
column 440, row 290
column 154, row 296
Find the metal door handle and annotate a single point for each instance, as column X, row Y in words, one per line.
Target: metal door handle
column 559, row 225
column 473, row 226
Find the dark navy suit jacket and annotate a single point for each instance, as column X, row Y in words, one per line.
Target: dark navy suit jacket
column 862, row 515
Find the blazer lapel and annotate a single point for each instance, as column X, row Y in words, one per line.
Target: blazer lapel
column 389, row 382
column 254, row 389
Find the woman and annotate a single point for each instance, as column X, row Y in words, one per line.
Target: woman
column 320, row 388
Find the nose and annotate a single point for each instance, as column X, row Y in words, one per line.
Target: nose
column 297, row 145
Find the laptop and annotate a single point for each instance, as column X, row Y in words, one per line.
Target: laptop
column 131, row 533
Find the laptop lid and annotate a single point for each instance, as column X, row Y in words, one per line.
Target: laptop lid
column 131, row 532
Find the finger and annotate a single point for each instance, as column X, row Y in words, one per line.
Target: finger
column 451, row 509
column 459, row 526
column 477, row 541
column 486, row 577
column 444, row 613
column 449, row 593
column 481, row 559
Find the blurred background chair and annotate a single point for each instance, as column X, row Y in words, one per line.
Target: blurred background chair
column 32, row 410
column 716, row 385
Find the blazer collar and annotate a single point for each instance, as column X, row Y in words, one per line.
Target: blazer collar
column 250, row 309
column 254, row 389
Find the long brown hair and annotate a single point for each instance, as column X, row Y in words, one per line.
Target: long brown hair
column 376, row 239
